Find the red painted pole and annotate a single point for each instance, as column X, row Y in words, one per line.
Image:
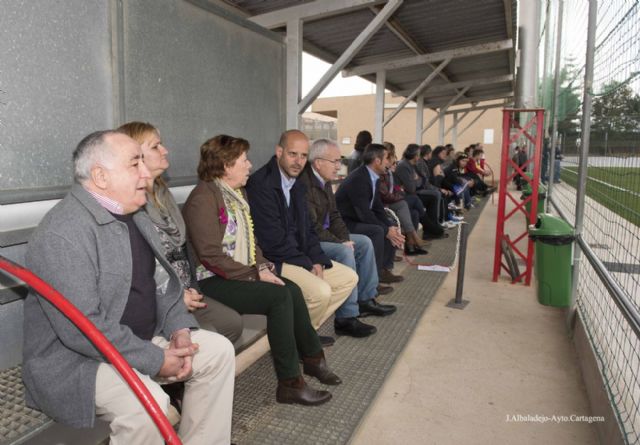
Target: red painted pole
column 101, row 343
column 502, row 192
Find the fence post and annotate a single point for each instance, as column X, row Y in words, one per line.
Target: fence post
column 458, row 302
column 585, row 131
column 556, row 94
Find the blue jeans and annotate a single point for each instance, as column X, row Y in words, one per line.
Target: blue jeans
column 363, row 260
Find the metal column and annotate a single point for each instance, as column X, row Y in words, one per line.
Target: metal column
column 294, row 72
column 526, row 87
column 419, row 118
column 441, row 116
column 378, row 134
column 556, row 96
column 581, row 188
column 511, row 132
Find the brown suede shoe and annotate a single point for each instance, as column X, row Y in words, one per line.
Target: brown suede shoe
column 316, row 366
column 296, row 390
column 387, row 277
column 383, row 290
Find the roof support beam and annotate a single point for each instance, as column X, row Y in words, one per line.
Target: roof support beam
column 310, row 11
column 419, row 118
column 417, row 91
column 456, row 122
column 454, row 135
column 350, row 52
column 471, row 99
column 466, row 51
column 465, row 83
column 443, row 109
column 293, row 42
column 472, row 122
column 477, row 108
column 381, row 80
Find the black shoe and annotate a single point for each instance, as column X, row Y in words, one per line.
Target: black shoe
column 414, row 250
column 384, row 290
column 353, row 327
column 372, row 307
column 326, row 341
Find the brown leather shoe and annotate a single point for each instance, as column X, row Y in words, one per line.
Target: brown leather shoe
column 316, row 366
column 296, row 390
column 383, row 290
column 387, row 277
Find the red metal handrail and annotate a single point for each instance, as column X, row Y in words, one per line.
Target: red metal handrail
column 101, row 343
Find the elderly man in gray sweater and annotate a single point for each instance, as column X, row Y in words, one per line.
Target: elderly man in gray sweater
column 103, row 255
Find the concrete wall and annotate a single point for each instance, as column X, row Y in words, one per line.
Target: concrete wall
column 355, row 113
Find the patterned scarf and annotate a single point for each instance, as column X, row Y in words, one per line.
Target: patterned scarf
column 245, row 242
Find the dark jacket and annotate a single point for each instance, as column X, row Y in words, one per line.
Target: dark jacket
column 206, row 230
column 406, row 174
column 353, row 198
column 322, row 203
column 269, row 212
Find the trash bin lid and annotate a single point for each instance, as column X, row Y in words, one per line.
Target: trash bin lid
column 549, row 225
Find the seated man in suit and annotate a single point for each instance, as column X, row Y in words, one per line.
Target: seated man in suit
column 285, row 234
column 106, row 257
column 355, row 251
column 359, row 203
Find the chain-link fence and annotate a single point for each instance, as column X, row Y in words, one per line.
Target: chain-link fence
column 611, row 219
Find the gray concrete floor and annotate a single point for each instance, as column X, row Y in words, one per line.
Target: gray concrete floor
column 465, row 374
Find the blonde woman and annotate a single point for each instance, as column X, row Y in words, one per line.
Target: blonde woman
column 165, row 214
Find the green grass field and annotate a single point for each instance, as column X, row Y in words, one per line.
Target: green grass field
column 617, row 188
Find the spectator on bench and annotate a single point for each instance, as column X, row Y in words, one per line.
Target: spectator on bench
column 233, row 270
column 475, row 171
column 165, row 214
column 410, row 180
column 102, row 255
column 408, row 208
column 363, row 139
column 355, row 251
column 285, row 233
column 358, row 200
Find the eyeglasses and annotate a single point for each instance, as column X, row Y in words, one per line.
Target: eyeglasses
column 336, row 163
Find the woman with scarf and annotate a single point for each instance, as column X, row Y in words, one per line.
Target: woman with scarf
column 165, row 214
column 232, row 269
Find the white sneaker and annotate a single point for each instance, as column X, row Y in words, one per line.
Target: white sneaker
column 456, row 218
column 449, row 224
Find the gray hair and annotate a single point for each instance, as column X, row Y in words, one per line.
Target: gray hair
column 91, row 150
column 320, row 147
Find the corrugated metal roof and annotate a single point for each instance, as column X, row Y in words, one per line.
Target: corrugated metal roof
column 427, row 26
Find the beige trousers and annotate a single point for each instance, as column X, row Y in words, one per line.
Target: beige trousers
column 322, row 295
column 206, row 406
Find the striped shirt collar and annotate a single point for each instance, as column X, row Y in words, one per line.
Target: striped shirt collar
column 109, row 204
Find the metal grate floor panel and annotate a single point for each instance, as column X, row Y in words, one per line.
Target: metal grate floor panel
column 17, row 420
column 361, row 363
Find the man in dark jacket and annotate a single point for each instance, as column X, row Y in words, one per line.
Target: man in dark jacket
column 358, row 200
column 285, row 234
column 355, row 251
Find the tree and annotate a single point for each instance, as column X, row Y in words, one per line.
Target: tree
column 617, row 109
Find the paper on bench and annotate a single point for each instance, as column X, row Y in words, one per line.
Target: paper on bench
column 434, row 268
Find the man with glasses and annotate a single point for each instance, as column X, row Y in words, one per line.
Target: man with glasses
column 353, row 250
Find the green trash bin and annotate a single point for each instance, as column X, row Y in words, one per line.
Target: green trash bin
column 554, row 256
column 542, row 195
